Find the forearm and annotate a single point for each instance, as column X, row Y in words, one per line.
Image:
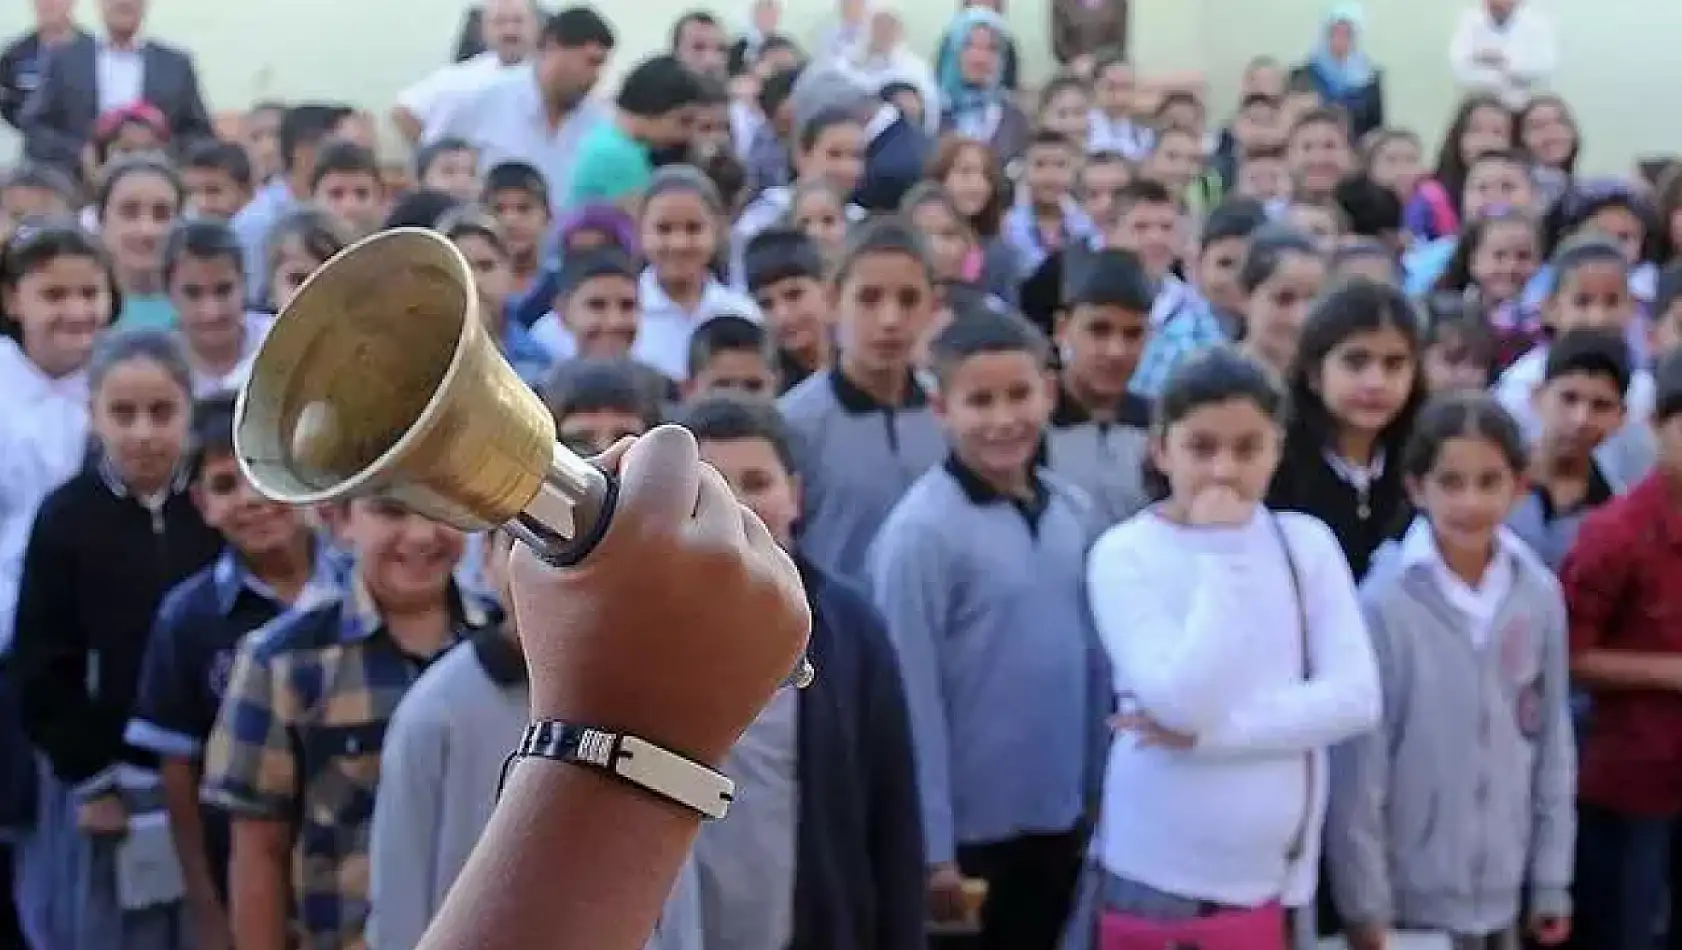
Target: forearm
column 186, row 828
column 1620, row 670
column 572, row 845
column 260, row 894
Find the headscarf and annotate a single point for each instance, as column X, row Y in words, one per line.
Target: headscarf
column 959, row 97
column 1354, row 71
column 605, row 218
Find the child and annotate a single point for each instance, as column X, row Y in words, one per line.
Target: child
column 1176, row 160
column 203, row 279
column 851, row 811
column 830, row 149
column 596, row 308
column 867, row 432
column 272, row 563
column 1098, row 185
column 1148, row 224
column 820, row 212
column 1621, row 580
column 259, row 135
column 1355, row 386
column 988, row 550
column 784, row 271
column 452, row 730
column 301, row 132
column 1116, row 125
column 516, row 193
column 34, row 191
column 681, row 222
column 1590, row 291
column 1369, row 211
column 479, row 238
column 1481, row 125
column 1254, row 126
column 614, row 161
column 1394, row 160
column 1317, row 153
column 1498, row 183
column 84, row 614
column 1364, row 258
column 300, row 243
column 137, row 204
column 1238, row 658
column 1098, row 429
column 730, row 353
column 953, row 248
column 1265, row 175
column 295, row 754
column 1463, row 850
column 598, row 402
column 1497, row 255
column 450, row 165
column 1065, row 107
column 1218, row 315
column 1046, row 217
column 1282, row 274
column 347, row 183
column 1579, row 404
column 1459, row 349
column 218, row 179
column 1321, row 220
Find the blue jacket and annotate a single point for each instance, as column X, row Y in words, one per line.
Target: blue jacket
column 893, row 162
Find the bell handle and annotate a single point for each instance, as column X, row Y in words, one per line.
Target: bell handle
column 570, row 513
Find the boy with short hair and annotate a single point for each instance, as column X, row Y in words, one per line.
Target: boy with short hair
column 598, row 402
column 1099, row 427
column 273, row 563
column 34, row 191
column 1046, row 218
column 1101, row 178
column 295, row 755
column 979, row 571
column 784, row 271
column 517, row 195
column 450, row 165
column 615, row 160
column 1622, row 582
column 444, row 749
column 218, row 179
column 347, row 182
column 730, row 353
column 596, row 310
column 1580, row 403
column 302, row 130
column 1318, row 154
column 825, row 794
column 1264, row 175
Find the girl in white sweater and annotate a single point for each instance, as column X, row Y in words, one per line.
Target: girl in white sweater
column 1239, row 656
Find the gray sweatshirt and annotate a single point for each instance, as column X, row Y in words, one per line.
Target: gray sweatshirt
column 1461, row 804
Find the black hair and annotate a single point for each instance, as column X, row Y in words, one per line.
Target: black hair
column 882, row 236
column 1301, row 82
column 982, row 332
column 1457, row 276
column 1059, row 84
column 1142, row 191
column 1582, row 251
column 822, row 121
column 420, row 208
column 1371, row 209
column 1462, row 415
column 432, row 151
column 1364, row 249
column 516, row 176
column 1107, row 59
column 1213, row 376
column 726, row 333
column 1353, row 307
column 713, row 92
column 126, row 346
column 577, row 27
column 464, row 221
column 682, row 23
column 1571, row 212
column 217, row 155
column 1047, row 138
column 1270, row 246
column 599, row 386
column 732, row 417
column 1179, row 97
column 777, row 254
column 1668, row 289
column 1258, row 99
column 1545, row 100
column 1667, row 387
column 1324, row 115
column 1233, row 218
column 775, row 91
column 304, row 126
column 36, row 244
column 320, row 234
column 728, row 175
column 213, row 426
column 1454, row 325
column 658, row 86
column 44, row 178
column 204, row 241
column 583, row 266
column 343, row 157
column 1112, row 278
column 929, row 192
column 1603, row 353
column 143, row 163
column 1452, row 167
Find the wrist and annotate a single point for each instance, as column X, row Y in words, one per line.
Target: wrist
column 633, row 713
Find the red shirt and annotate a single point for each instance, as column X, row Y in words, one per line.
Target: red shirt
column 1623, row 590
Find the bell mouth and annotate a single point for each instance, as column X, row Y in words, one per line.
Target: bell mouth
column 354, row 366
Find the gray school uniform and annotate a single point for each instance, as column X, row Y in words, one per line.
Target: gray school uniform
column 1549, row 531
column 984, row 598
column 856, row 458
column 1106, row 460
column 1414, row 844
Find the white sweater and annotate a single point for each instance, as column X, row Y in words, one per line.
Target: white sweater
column 1526, row 41
column 1201, row 628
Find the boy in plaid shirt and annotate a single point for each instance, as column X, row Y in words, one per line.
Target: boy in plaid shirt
column 295, row 754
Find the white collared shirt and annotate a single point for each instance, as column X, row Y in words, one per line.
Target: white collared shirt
column 120, row 75
column 506, row 120
column 1479, row 604
column 438, row 93
column 1130, row 138
column 1526, row 41
column 257, row 326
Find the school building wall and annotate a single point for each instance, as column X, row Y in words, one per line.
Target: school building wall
column 1619, row 65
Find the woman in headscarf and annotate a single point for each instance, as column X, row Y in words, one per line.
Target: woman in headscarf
column 943, row 52
column 881, row 58
column 975, row 102
column 1342, row 72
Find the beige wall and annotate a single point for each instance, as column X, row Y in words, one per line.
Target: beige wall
column 1619, row 54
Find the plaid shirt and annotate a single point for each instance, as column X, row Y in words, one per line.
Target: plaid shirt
column 298, row 740
column 1187, row 328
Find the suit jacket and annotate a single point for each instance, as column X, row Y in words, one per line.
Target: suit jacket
column 59, row 116
column 20, row 74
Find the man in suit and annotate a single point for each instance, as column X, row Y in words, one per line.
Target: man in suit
column 20, row 64
column 93, row 74
column 897, row 150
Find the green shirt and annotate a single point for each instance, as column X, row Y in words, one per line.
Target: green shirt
column 610, row 166
column 146, row 313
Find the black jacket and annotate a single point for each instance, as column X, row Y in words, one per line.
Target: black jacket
column 893, row 162
column 1306, row 482
column 96, row 568
column 859, row 879
column 21, row 64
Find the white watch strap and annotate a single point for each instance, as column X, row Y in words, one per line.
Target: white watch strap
column 633, row 760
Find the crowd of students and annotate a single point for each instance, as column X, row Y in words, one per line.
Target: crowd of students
column 1199, row 522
